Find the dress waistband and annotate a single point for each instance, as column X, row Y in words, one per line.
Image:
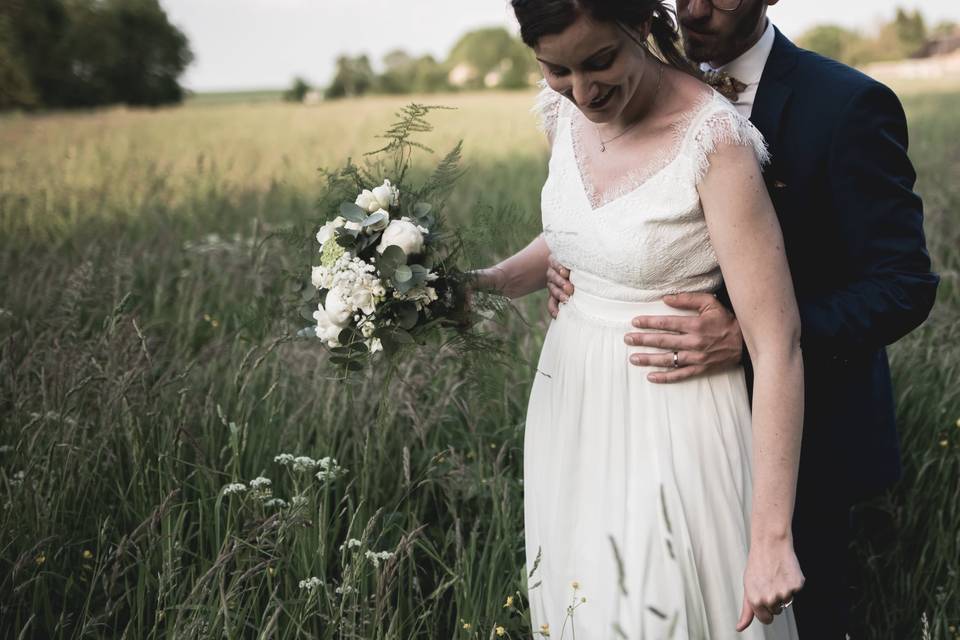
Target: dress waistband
column 618, row 313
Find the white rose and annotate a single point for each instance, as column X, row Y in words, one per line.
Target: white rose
column 338, row 308
column 320, row 277
column 367, row 201
column 387, row 195
column 375, row 345
column 403, row 234
column 363, row 299
column 353, row 226
column 326, row 330
column 327, row 231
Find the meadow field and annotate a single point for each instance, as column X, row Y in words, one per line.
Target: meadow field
column 146, row 363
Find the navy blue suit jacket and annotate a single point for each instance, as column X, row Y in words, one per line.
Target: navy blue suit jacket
column 842, row 185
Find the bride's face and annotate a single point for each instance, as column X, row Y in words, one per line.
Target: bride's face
column 595, row 65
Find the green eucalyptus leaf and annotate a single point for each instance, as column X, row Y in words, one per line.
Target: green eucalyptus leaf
column 402, row 274
column 307, row 312
column 407, row 315
column 353, row 212
column 394, row 254
column 374, row 218
column 400, row 336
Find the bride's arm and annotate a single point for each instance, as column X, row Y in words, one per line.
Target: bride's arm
column 747, row 239
column 522, row 273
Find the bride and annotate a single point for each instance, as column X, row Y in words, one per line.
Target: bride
column 652, row 511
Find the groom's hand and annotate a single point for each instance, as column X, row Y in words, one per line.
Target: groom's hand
column 710, row 340
column 558, row 285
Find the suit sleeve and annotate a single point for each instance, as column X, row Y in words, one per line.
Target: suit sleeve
column 887, row 288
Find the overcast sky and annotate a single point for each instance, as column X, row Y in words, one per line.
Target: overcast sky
column 248, row 44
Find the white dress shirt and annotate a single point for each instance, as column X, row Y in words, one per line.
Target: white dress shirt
column 748, row 68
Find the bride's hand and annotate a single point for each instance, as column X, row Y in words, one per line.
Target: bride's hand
column 558, row 284
column 770, row 581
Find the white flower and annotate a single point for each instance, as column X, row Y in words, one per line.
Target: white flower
column 344, row 589
column 304, row 463
column 404, row 234
column 234, row 487
column 337, row 305
column 311, row 584
column 285, row 459
column 275, row 502
column 327, row 231
column 377, row 556
column 350, row 544
column 326, row 330
column 382, row 197
column 330, row 469
column 353, row 226
column 374, row 344
column 260, row 483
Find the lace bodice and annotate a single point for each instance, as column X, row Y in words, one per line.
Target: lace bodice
column 646, row 235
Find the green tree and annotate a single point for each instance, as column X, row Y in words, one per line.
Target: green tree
column 93, row 52
column 493, row 50
column 354, row 77
column 16, row 89
column 911, row 32
column 830, row 40
column 298, row 91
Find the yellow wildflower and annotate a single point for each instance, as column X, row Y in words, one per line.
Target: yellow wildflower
column 500, row 631
column 575, row 584
column 271, row 570
column 545, row 629
column 87, row 554
column 214, row 323
column 466, row 625
column 944, row 443
column 509, row 602
column 40, row 559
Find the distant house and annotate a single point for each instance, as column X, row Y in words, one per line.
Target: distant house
column 462, row 74
column 940, row 46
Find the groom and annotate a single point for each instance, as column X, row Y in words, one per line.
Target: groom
column 842, row 185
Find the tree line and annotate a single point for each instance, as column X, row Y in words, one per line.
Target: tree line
column 906, row 36
column 85, row 53
column 484, row 58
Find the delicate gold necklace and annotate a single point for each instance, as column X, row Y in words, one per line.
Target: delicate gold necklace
column 603, row 143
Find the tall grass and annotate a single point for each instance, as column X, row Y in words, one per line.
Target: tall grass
column 143, row 369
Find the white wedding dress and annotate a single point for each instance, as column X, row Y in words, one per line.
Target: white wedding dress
column 639, row 492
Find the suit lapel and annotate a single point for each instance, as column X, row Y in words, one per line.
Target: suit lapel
column 774, row 92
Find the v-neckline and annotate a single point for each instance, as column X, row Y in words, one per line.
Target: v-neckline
column 694, row 113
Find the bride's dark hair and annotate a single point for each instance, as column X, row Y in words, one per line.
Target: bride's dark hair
column 538, row 18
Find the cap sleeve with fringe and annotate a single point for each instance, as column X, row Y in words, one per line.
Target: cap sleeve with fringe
column 547, row 108
column 718, row 126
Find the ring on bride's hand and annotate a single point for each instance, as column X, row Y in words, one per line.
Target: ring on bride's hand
column 676, row 360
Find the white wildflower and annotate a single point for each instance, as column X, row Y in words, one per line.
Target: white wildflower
column 278, row 503
column 328, row 230
column 311, row 584
column 234, row 487
column 304, row 463
column 260, row 483
column 344, row 589
column 285, row 459
column 329, row 469
column 350, row 544
column 377, row 556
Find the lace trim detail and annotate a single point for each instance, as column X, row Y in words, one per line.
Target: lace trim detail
column 636, row 177
column 547, row 109
column 721, row 127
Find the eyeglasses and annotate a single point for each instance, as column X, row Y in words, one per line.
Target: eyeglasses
column 726, row 5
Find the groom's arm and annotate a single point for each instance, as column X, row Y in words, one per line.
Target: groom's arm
column 889, row 288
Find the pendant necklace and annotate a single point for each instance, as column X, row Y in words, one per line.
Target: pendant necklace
column 603, row 143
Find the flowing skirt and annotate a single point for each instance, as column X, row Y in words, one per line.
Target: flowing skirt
column 636, row 495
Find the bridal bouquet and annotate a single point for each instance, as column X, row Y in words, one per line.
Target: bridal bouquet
column 387, row 276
